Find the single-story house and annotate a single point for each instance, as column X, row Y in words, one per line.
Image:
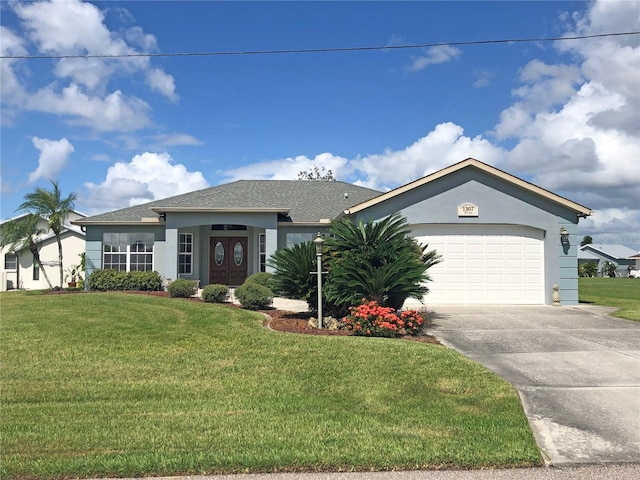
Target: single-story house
column 20, row 271
column 503, row 240
column 600, row 253
column 636, row 259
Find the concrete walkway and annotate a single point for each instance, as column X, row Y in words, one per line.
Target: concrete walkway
column 576, row 368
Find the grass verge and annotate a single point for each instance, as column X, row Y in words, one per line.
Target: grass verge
column 623, row 293
column 108, row 384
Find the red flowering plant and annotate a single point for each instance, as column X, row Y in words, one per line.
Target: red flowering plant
column 373, row 320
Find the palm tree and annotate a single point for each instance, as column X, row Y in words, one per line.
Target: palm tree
column 291, row 277
column 377, row 261
column 50, row 205
column 22, row 234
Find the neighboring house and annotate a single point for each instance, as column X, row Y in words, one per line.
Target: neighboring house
column 636, row 259
column 601, row 253
column 20, row 271
column 499, row 236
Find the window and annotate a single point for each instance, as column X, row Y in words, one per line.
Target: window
column 127, row 252
column 36, row 270
column 227, row 227
column 262, row 251
column 296, row 238
column 185, row 254
column 10, row 261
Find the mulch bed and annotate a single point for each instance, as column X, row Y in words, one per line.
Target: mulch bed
column 280, row 320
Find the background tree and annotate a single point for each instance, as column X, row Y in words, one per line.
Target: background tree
column 50, row 205
column 586, row 240
column 23, row 234
column 316, row 174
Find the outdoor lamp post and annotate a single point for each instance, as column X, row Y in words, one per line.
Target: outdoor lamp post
column 319, row 243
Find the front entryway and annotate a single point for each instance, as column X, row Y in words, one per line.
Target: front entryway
column 228, row 260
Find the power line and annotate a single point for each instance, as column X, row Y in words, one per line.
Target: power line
column 320, row 50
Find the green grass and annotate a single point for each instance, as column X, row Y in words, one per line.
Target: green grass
column 108, row 384
column 623, row 293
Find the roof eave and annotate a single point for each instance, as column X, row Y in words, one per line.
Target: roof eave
column 83, row 223
column 219, row 210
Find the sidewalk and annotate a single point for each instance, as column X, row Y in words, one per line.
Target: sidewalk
column 593, row 472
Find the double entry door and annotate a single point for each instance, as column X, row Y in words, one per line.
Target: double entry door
column 228, row 260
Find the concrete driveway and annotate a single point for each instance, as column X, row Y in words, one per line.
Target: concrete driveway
column 576, row 368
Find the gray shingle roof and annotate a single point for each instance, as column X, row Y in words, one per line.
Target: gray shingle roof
column 618, row 252
column 305, row 200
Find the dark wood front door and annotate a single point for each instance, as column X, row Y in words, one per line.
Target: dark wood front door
column 228, row 260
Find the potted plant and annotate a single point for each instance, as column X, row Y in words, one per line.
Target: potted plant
column 73, row 274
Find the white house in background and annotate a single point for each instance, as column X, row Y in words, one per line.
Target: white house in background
column 636, row 259
column 20, row 271
column 599, row 253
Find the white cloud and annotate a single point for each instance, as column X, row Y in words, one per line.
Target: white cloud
column 611, row 225
column 72, row 27
column 12, row 91
column 53, row 158
column 161, row 82
column 175, row 139
column 441, row 147
column 577, row 126
column 483, row 77
column 115, row 112
column 148, row 176
column 435, row 55
column 288, row 168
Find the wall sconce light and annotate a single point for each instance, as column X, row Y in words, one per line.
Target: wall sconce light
column 564, row 236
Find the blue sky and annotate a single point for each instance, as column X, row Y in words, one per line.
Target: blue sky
column 564, row 115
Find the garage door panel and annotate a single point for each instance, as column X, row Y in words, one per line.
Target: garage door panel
column 475, row 263
column 497, row 264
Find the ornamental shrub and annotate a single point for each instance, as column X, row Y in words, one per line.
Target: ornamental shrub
column 589, row 269
column 182, row 288
column 373, row 320
column 254, row 296
column 104, row 280
column 215, row 293
column 261, row 278
column 145, row 281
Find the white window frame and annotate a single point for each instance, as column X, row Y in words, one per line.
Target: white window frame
column 186, row 240
column 262, row 252
column 9, row 260
column 124, row 249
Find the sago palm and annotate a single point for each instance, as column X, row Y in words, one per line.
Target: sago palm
column 292, row 277
column 50, row 205
column 377, row 261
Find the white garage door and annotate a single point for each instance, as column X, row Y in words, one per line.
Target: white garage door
column 489, row 264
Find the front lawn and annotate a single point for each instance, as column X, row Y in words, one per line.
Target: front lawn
column 107, row 384
column 623, row 293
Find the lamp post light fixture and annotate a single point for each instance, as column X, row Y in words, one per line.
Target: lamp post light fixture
column 564, row 236
column 319, row 243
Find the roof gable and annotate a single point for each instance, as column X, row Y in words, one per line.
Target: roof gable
column 473, row 163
